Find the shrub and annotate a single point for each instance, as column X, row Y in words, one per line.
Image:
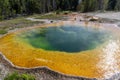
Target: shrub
column 16, row 76
column 3, row 31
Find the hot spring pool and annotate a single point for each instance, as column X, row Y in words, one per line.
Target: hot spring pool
column 72, row 48
column 65, row 38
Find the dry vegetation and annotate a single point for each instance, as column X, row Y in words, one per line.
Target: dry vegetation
column 8, row 25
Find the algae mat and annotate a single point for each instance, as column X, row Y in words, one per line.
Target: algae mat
column 80, row 49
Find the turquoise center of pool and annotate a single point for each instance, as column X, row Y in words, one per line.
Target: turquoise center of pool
column 65, row 38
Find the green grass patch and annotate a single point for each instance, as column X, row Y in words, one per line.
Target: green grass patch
column 3, row 31
column 49, row 16
column 57, row 15
column 16, row 76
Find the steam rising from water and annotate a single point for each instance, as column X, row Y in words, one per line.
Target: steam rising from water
column 66, row 38
column 108, row 59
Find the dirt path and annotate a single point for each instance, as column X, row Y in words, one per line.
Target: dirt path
column 109, row 15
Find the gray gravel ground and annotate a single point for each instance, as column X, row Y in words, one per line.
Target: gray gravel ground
column 113, row 16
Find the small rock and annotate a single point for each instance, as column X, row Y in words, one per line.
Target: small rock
column 94, row 19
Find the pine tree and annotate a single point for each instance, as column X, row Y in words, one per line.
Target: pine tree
column 117, row 7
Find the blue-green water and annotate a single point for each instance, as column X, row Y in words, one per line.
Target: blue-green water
column 65, row 38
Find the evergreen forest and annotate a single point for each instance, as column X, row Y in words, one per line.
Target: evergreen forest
column 13, row 8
